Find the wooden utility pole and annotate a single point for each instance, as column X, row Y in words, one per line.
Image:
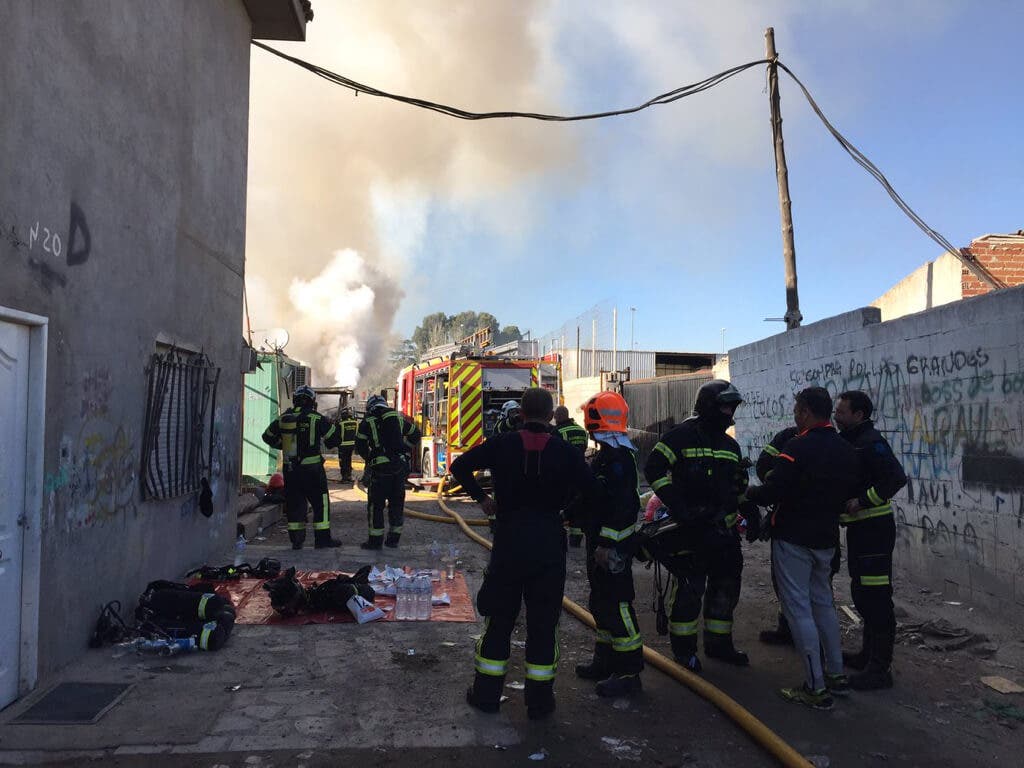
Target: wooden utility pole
column 793, row 316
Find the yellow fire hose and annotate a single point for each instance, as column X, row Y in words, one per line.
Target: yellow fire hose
column 426, row 516
column 754, row 728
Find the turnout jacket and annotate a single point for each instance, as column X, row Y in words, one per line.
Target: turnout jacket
column 696, row 472
column 348, row 427
column 608, row 512
column 573, row 434
column 298, row 433
column 379, row 440
column 534, row 475
column 881, row 474
column 411, row 435
column 809, row 483
column 766, row 458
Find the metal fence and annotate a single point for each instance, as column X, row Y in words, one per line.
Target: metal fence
column 655, row 406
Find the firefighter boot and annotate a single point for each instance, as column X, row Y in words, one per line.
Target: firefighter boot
column 392, row 540
column 540, row 699
column 600, row 666
column 778, row 636
column 298, row 537
column 876, row 675
column 323, row 540
column 720, row 647
column 485, row 693
column 618, row 686
column 373, row 542
column 859, row 660
column 684, row 649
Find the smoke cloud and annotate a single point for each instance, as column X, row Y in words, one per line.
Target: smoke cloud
column 341, row 188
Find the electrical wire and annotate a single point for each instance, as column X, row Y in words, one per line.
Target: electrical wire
column 462, row 114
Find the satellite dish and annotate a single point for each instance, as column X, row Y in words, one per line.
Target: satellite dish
column 271, row 338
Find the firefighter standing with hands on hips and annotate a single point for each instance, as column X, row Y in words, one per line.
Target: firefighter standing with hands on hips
column 299, row 433
column 608, row 514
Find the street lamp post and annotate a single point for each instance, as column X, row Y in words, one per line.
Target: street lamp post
column 632, row 318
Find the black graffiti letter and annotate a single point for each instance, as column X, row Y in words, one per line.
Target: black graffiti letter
column 78, row 253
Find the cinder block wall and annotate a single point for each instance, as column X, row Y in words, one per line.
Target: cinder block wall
column 123, row 149
column 948, row 389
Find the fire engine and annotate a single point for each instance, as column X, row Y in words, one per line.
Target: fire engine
column 456, row 393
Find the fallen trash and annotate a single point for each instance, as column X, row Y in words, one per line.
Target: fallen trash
column 849, row 612
column 233, row 688
column 515, row 686
column 623, row 749
column 500, row 747
column 1001, row 684
column 541, row 754
column 938, row 635
column 448, row 644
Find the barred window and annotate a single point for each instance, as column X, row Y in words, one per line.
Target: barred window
column 177, row 442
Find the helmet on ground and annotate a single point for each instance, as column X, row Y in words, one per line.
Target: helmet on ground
column 509, row 406
column 276, row 482
column 715, row 393
column 376, row 403
column 304, row 392
column 605, row 412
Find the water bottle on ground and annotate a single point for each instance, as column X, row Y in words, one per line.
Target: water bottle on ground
column 424, row 594
column 436, row 561
column 402, row 602
column 240, row 549
column 453, row 556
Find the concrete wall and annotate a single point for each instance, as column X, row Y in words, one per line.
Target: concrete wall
column 123, row 151
column 930, row 285
column 948, row 388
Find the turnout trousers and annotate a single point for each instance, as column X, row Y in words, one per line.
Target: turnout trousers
column 386, row 491
column 618, row 645
column 345, row 462
column 715, row 568
column 307, row 485
column 511, row 579
column 869, row 547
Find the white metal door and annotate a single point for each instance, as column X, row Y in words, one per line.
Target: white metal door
column 14, row 361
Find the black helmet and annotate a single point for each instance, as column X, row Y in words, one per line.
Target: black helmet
column 304, row 394
column 713, row 394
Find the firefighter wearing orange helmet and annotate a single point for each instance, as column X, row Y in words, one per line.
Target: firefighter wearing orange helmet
column 608, row 515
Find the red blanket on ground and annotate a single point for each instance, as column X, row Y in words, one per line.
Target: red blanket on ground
column 252, row 602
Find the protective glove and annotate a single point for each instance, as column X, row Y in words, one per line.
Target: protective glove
column 754, row 519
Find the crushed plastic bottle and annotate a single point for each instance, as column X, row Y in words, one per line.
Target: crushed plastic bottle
column 172, row 647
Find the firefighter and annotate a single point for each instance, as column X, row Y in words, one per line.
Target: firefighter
column 299, row 433
column 576, row 436
column 781, row 635
column 610, row 520
column 870, row 540
column 379, row 442
column 348, row 425
column 695, row 469
column 534, row 474
column 511, row 418
column 411, row 439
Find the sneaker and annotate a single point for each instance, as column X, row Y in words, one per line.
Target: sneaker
column 814, row 699
column 618, row 686
column 856, row 661
column 871, row 679
column 837, row 685
column 487, row 707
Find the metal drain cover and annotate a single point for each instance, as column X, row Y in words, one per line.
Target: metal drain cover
column 74, row 704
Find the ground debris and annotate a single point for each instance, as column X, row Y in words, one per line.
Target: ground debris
column 819, row 761
column 540, row 754
column 938, row 635
column 1002, row 685
column 624, row 749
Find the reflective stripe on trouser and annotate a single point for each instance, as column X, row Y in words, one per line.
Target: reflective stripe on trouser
column 617, row 632
column 506, row 586
column 869, row 548
column 385, row 492
column 306, row 486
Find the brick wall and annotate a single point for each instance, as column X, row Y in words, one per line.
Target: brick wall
column 948, row 389
column 1002, row 256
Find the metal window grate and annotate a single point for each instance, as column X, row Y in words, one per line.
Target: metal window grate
column 179, row 414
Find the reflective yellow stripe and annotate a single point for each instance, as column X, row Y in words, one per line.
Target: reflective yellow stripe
column 493, row 667
column 874, row 498
column 729, row 520
column 865, row 514
column 540, row 672
column 717, row 626
column 576, row 531
column 632, row 641
column 727, row 455
column 202, row 604
column 771, row 450
column 204, row 635
column 660, row 483
column 296, row 526
column 874, row 581
column 394, row 529
column 376, row 531
column 614, row 535
column 380, row 460
column 604, row 636
column 312, row 460
column 324, row 526
column 697, row 453
column 667, row 452
column 683, row 628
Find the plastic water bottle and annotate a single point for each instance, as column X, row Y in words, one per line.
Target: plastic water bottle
column 240, row 549
column 402, row 601
column 423, row 596
column 453, row 556
column 436, row 560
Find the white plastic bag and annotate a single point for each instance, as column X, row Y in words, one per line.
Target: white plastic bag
column 363, row 610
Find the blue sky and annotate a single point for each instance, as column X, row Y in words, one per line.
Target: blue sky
column 673, row 211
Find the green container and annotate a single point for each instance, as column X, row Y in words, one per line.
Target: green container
column 261, row 405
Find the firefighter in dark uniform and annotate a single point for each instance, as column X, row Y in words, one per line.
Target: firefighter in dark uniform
column 609, row 515
column 696, row 471
column 577, row 437
column 781, row 635
column 534, row 474
column 299, row 433
column 870, row 540
column 348, row 425
column 511, row 418
column 379, row 442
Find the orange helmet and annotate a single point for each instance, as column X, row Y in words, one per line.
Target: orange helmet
column 276, row 482
column 605, row 412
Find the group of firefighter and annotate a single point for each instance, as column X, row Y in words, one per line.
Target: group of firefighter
column 815, row 477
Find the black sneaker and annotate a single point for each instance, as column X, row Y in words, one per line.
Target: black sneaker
column 487, row 707
column 871, row 679
column 618, row 686
column 837, row 685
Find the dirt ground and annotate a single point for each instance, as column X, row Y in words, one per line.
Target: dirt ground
column 343, row 694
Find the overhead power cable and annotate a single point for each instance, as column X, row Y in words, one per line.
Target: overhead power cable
column 666, row 98
column 463, row 114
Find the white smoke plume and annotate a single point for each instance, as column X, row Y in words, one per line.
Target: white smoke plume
column 340, row 187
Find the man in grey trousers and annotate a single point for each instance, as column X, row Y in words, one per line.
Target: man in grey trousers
column 811, row 479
